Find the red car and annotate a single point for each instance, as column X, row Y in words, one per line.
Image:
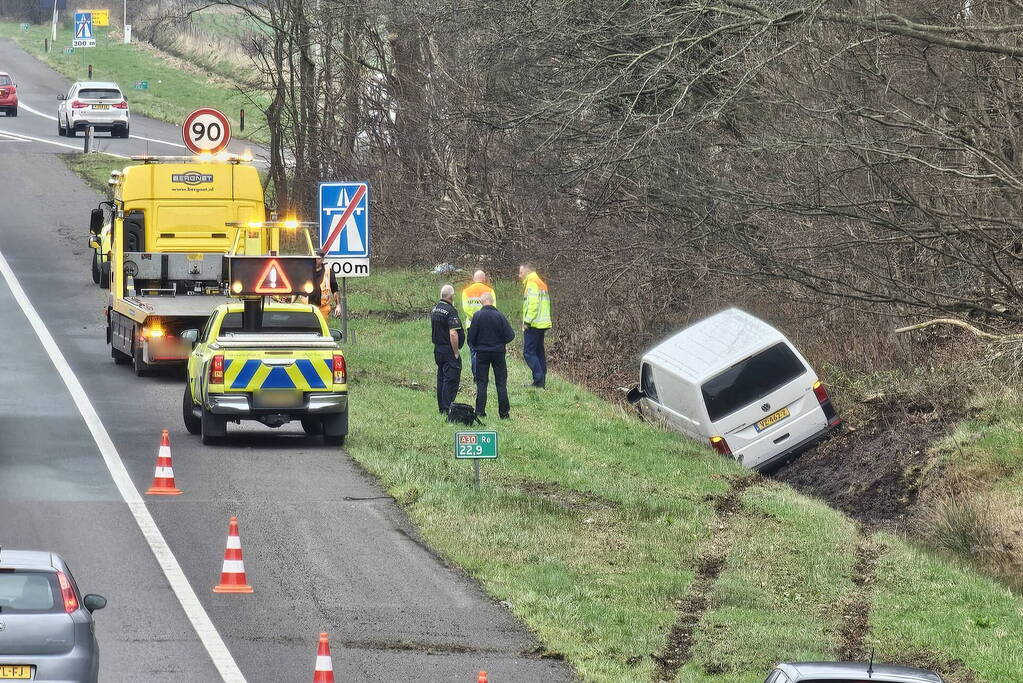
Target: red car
column 8, row 95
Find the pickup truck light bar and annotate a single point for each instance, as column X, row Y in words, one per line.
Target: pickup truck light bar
column 205, row 157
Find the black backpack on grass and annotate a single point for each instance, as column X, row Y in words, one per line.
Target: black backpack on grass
column 464, row 414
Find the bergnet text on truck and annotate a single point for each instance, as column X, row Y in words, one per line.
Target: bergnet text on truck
column 171, row 221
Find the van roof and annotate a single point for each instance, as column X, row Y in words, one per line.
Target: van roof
column 713, row 344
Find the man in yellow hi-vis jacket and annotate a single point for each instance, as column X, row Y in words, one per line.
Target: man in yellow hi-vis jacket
column 536, row 320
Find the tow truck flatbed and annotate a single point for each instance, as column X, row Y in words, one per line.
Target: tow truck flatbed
column 183, row 305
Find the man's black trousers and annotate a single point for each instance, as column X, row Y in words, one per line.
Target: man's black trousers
column 449, row 372
column 484, row 361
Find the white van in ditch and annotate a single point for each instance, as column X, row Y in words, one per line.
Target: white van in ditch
column 736, row 382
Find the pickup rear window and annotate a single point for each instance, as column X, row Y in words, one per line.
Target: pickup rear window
column 28, row 591
column 750, row 379
column 277, row 321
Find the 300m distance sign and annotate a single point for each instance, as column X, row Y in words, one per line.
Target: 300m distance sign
column 206, row 130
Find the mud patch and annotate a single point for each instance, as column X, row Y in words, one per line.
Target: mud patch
column 390, row 315
column 569, row 499
column 873, row 473
column 952, row 670
column 682, row 636
column 395, row 380
column 855, row 609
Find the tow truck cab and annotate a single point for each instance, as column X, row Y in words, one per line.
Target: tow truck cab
column 160, row 247
column 288, row 367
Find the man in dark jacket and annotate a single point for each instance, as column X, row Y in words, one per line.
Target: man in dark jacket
column 447, row 336
column 489, row 333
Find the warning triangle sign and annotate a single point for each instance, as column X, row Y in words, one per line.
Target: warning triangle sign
column 273, row 280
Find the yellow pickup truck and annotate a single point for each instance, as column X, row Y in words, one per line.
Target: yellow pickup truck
column 287, row 367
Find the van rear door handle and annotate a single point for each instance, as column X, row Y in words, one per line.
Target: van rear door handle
column 782, row 438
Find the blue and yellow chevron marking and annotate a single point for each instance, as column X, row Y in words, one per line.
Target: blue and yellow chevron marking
column 253, row 375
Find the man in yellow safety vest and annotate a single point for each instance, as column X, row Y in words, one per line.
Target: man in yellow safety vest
column 536, row 320
column 472, row 302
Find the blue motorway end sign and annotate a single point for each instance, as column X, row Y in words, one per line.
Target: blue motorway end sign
column 344, row 220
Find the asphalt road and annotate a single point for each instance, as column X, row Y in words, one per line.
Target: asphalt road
column 36, row 123
column 325, row 549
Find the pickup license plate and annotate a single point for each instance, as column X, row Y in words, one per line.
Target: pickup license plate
column 772, row 419
column 101, row 107
column 277, row 398
column 18, row 672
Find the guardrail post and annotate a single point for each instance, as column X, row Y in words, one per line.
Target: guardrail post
column 90, row 72
column 241, row 118
column 88, row 139
column 46, row 44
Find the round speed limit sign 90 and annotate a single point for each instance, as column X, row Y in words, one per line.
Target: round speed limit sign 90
column 206, row 130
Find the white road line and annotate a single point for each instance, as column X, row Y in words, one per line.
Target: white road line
column 134, row 137
column 28, row 138
column 201, row 622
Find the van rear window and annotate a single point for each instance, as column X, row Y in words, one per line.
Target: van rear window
column 750, row 379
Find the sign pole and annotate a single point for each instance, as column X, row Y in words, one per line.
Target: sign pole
column 476, row 472
column 344, row 308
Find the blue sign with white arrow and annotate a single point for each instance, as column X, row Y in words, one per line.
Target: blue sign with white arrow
column 344, row 220
column 84, row 36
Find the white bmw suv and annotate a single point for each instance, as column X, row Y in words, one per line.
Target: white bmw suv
column 92, row 103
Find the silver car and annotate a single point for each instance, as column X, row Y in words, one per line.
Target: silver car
column 849, row 672
column 46, row 627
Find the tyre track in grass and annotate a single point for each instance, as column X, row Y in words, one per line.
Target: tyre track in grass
column 690, row 608
column 855, row 608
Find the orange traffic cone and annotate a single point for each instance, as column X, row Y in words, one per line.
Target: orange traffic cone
column 163, row 478
column 232, row 576
column 324, row 672
column 482, row 678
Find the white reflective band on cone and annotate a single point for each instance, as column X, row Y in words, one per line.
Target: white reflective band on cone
column 164, row 473
column 234, row 543
column 234, row 567
column 323, row 663
column 164, row 452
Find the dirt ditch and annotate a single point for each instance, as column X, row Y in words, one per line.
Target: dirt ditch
column 682, row 636
column 873, row 472
column 855, row 609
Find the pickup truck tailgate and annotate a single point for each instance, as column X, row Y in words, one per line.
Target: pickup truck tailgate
column 258, row 370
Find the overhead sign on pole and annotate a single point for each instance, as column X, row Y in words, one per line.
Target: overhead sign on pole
column 344, row 227
column 84, row 35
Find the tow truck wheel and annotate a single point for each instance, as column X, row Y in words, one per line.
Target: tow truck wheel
column 193, row 424
column 95, row 267
column 213, row 427
column 142, row 368
column 104, row 275
column 335, row 429
column 312, row 425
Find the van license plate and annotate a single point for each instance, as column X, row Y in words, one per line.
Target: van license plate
column 18, row 672
column 772, row 419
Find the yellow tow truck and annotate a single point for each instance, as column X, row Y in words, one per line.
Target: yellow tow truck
column 267, row 361
column 160, row 243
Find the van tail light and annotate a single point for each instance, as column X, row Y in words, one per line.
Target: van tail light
column 720, row 446
column 829, row 410
column 67, row 593
column 78, row 104
column 340, row 369
column 217, row 369
column 120, row 105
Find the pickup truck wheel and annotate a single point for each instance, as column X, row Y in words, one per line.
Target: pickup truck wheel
column 95, row 267
column 312, row 425
column 193, row 424
column 213, row 427
column 335, row 429
column 104, row 275
column 142, row 368
column 119, row 358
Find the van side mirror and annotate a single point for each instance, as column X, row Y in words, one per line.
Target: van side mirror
column 93, row 602
column 96, row 219
column 191, row 336
column 336, row 334
column 635, row 395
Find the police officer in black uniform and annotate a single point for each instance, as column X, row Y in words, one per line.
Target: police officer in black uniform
column 448, row 337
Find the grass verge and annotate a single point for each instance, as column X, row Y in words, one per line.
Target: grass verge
column 175, row 88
